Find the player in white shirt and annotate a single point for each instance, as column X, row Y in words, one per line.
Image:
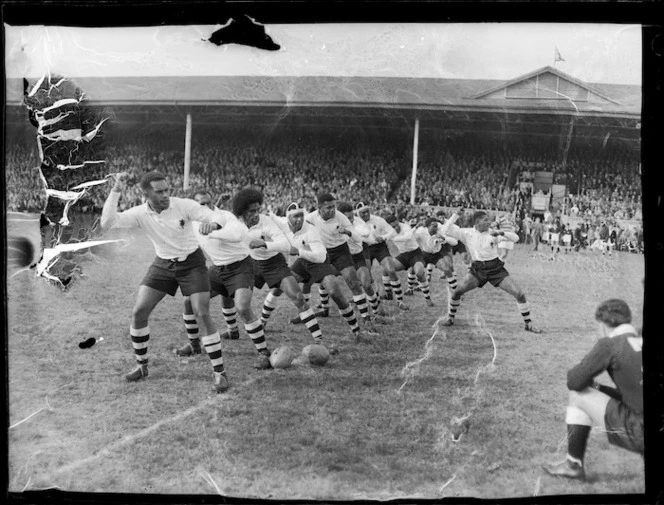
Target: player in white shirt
column 266, row 240
column 437, row 250
column 231, row 276
column 482, row 243
column 376, row 244
column 410, row 254
column 312, row 265
column 360, row 254
column 335, row 230
column 180, row 263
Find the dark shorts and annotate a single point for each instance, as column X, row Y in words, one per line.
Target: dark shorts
column 624, row 427
column 271, row 271
column 360, row 260
column 312, row 273
column 340, row 257
column 492, row 271
column 190, row 275
column 460, row 248
column 378, row 252
column 433, row 258
column 408, row 259
column 227, row 279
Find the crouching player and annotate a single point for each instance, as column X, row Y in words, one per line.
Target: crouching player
column 482, row 243
column 617, row 411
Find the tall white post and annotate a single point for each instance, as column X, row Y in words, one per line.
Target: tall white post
column 416, row 140
column 187, row 153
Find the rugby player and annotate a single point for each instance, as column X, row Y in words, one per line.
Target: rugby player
column 410, row 254
column 312, row 265
column 335, row 230
column 266, row 239
column 361, row 255
column 616, row 411
column 179, row 262
column 437, row 250
column 231, row 276
column 482, row 243
column 380, row 233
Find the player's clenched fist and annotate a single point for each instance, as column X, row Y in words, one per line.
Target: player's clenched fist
column 120, row 181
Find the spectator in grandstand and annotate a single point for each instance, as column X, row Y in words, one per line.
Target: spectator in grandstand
column 618, row 411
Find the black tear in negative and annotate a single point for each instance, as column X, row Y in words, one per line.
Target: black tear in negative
column 246, row 32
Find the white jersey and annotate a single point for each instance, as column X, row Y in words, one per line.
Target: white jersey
column 307, row 241
column 405, row 240
column 329, row 229
column 271, row 230
column 169, row 230
column 361, row 235
column 227, row 245
column 482, row 246
column 378, row 227
column 432, row 244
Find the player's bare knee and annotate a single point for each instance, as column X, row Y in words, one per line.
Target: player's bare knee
column 520, row 297
column 245, row 313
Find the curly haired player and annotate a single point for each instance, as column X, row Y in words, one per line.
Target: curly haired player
column 617, row 411
column 482, row 243
column 266, row 240
column 231, row 276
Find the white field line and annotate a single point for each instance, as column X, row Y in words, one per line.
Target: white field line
column 146, row 431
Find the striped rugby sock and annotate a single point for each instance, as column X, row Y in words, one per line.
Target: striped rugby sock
column 374, row 301
column 361, row 302
column 139, row 341
column 412, row 280
column 524, row 308
column 257, row 335
column 387, row 285
column 230, row 316
column 424, row 286
column 269, row 304
column 349, row 315
column 452, row 307
column 452, row 281
column 324, row 297
column 396, row 287
column 191, row 325
column 310, row 321
column 212, row 345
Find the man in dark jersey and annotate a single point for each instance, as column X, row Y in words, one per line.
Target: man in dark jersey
column 617, row 411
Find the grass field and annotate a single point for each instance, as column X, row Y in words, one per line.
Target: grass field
column 374, row 423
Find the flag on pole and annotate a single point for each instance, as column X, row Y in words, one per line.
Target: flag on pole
column 558, row 57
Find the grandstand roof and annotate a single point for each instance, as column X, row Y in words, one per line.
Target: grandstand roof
column 530, row 93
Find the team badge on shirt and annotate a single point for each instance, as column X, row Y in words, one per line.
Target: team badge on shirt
column 182, row 223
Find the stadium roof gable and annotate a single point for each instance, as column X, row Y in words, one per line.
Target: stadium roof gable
column 546, row 83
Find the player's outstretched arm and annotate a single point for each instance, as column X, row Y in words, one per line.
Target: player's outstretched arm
column 109, row 213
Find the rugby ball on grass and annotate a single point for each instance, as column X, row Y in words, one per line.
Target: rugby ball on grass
column 282, row 357
column 316, row 354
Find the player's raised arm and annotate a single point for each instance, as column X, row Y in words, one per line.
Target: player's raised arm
column 110, row 217
column 450, row 229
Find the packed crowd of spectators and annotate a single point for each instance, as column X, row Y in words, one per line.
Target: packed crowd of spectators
column 286, row 167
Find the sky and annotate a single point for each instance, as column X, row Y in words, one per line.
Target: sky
column 594, row 53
